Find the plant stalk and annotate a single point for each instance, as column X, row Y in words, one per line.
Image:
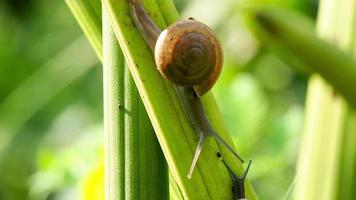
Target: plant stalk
column 134, row 164
column 175, row 133
column 327, row 155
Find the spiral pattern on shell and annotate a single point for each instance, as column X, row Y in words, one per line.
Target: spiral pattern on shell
column 188, row 54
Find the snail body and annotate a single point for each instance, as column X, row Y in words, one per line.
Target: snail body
column 188, row 54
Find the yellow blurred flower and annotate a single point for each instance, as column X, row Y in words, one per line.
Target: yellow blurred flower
column 92, row 187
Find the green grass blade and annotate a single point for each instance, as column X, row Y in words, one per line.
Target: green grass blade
column 176, row 136
column 89, row 18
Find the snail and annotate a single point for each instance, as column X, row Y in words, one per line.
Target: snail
column 238, row 187
column 188, row 54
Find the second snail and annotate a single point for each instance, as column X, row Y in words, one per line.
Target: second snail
column 188, row 54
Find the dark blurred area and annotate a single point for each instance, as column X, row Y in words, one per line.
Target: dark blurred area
column 19, row 8
column 51, row 99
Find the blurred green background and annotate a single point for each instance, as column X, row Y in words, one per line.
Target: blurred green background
column 51, row 132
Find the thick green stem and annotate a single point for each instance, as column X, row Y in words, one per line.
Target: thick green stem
column 326, row 162
column 146, row 176
column 114, row 121
column 134, row 164
column 175, row 133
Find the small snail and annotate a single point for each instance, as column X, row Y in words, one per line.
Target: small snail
column 238, row 186
column 188, row 54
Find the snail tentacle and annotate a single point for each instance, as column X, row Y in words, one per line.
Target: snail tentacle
column 222, row 141
column 195, row 112
column 238, row 182
column 202, row 138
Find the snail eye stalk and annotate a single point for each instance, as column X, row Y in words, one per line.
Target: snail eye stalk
column 196, row 155
column 238, row 186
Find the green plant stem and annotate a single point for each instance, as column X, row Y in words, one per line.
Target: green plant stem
column 292, row 34
column 347, row 170
column 326, row 162
column 134, row 164
column 327, row 157
column 176, row 136
column 114, row 121
column 146, row 176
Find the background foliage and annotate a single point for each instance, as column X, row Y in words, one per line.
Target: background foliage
column 51, row 109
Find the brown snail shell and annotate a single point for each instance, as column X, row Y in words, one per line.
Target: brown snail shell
column 188, row 54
